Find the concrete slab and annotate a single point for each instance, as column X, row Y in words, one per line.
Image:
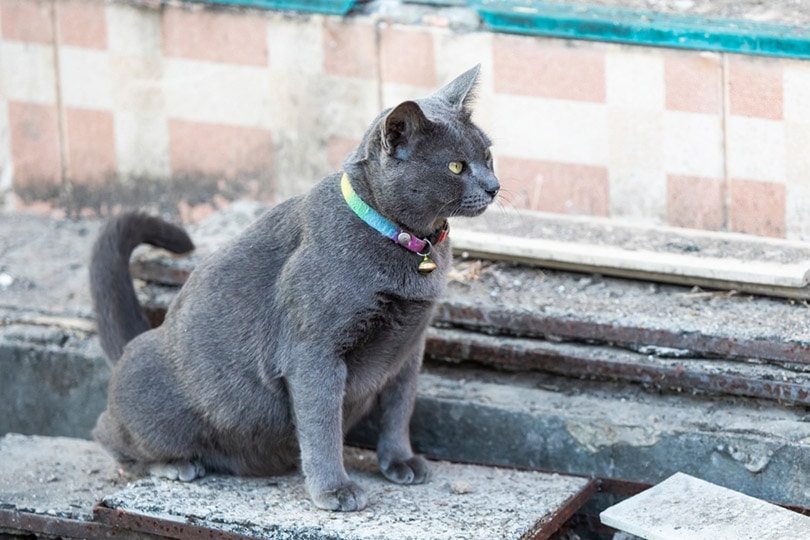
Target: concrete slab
column 62, row 479
column 686, row 507
column 614, row 431
column 460, row 501
column 55, row 476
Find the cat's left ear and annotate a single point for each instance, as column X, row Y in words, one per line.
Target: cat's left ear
column 401, row 129
column 460, row 92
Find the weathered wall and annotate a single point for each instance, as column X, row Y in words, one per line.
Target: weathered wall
column 184, row 108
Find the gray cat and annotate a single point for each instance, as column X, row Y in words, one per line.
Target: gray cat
column 281, row 341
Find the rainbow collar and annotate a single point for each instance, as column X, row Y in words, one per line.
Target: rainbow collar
column 420, row 246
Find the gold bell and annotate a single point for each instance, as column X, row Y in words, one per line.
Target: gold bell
column 426, row 266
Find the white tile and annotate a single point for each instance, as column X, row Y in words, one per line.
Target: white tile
column 636, row 139
column 85, row 78
column 796, row 78
column 555, row 130
column 349, row 104
column 133, row 30
column 218, row 93
column 638, row 194
column 6, row 161
column 323, row 105
column 136, row 82
column 693, row 144
column 797, row 148
column 797, row 217
column 686, row 507
column 635, row 79
column 755, row 149
column 296, row 44
column 28, row 72
column 455, row 53
column 395, row 93
column 142, row 144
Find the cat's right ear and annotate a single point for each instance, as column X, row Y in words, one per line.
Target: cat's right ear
column 460, row 92
column 402, row 128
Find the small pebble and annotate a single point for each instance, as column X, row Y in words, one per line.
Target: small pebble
column 460, row 487
column 6, row 281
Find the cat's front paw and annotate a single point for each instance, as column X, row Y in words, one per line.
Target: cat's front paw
column 411, row 471
column 349, row 497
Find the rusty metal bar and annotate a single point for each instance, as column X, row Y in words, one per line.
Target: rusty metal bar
column 504, row 321
column 549, row 525
column 133, row 521
column 600, row 362
column 25, row 522
column 163, row 271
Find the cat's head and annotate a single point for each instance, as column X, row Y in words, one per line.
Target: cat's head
column 425, row 160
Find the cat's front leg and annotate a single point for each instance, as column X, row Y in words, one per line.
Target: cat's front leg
column 316, row 388
column 397, row 460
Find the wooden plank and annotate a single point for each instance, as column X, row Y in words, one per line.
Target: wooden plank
column 686, row 507
column 642, row 261
column 727, row 261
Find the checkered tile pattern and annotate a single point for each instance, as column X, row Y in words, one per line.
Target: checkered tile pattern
column 97, row 94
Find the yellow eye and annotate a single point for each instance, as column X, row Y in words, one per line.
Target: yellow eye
column 456, row 167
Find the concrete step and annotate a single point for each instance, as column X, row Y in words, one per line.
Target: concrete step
column 53, row 382
column 71, row 488
column 686, row 507
column 611, row 431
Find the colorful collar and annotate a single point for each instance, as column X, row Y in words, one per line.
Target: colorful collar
column 420, row 246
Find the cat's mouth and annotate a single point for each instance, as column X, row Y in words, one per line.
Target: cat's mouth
column 473, row 206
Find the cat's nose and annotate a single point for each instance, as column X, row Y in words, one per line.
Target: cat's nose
column 492, row 187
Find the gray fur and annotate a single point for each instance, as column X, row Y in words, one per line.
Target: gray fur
column 282, row 340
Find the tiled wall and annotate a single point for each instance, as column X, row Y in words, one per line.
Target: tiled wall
column 108, row 104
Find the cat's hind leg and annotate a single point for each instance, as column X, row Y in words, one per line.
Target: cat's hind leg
column 149, row 425
column 185, row 471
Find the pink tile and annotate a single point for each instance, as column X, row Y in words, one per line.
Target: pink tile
column 407, row 56
column 338, row 149
column 216, row 36
column 695, row 202
column 218, row 149
column 43, row 208
column 693, row 82
column 757, row 208
column 350, row 49
column 27, row 20
column 82, row 23
column 548, row 68
column 90, row 145
column 195, row 213
column 34, row 133
column 554, row 187
column 755, row 86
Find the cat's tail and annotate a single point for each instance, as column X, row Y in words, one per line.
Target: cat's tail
column 119, row 315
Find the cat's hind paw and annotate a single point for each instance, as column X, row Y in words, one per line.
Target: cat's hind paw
column 185, row 471
column 411, row 471
column 349, row 497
